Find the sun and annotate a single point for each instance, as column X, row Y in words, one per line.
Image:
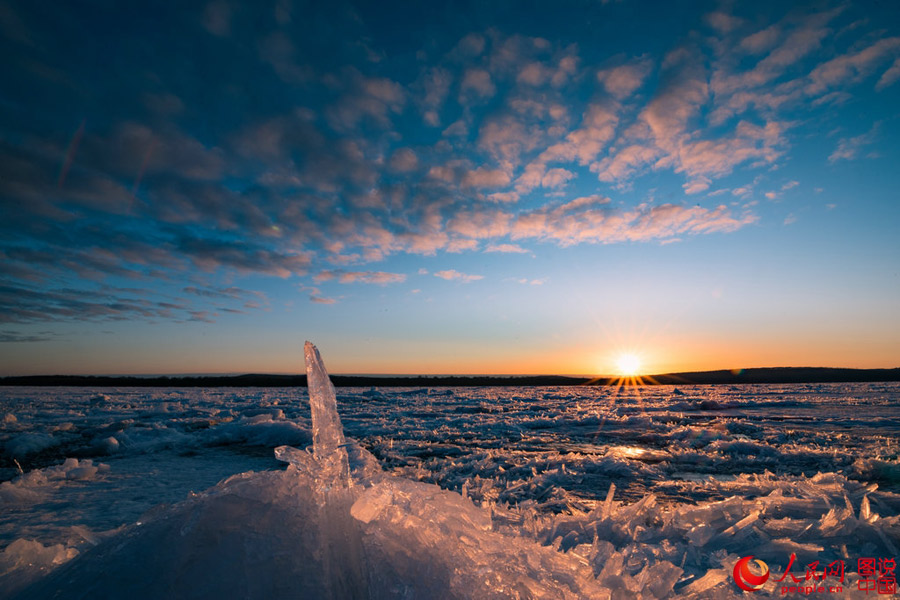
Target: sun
column 628, row 364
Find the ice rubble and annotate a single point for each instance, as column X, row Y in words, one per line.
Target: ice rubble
column 334, row 525
column 34, row 486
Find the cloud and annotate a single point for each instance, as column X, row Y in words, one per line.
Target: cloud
column 850, row 148
column 700, row 184
column 556, row 178
column 365, row 99
column 591, row 219
column 19, row 304
column 404, row 160
column 722, row 22
column 485, row 178
column 761, row 41
column 480, row 223
column 376, row 277
column 436, row 84
column 134, row 150
column 506, row 138
column 890, row 76
column 850, row 67
column 476, row 83
column 598, row 127
column 454, row 275
column 622, row 81
column 470, row 46
column 13, row 337
column 506, row 248
column 535, row 73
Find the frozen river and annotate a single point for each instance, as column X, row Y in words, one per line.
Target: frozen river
column 636, row 485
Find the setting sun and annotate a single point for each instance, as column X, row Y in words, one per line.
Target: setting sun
column 628, row 364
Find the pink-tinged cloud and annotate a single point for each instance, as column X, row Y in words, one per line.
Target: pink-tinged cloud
column 889, row 77
column 535, row 74
column 321, row 300
column 851, row 67
column 376, row 277
column 503, row 197
column 625, row 163
column 593, row 220
column 506, row 248
column 454, row 275
column 622, row 81
column 403, row 160
column 462, row 245
column 700, row 184
column 722, row 22
column 480, row 223
column 506, row 138
column 761, row 41
column 556, row 178
column 477, row 82
column 850, row 148
column 582, row 145
column 370, row 99
column 669, row 113
column 436, row 82
column 799, row 41
column 485, row 178
column 470, row 46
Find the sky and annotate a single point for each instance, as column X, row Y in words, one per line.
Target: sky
column 420, row 188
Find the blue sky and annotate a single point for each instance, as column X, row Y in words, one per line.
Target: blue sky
column 496, row 187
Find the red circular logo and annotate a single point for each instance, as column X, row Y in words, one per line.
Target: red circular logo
column 747, row 580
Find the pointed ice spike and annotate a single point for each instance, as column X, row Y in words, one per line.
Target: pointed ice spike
column 328, row 435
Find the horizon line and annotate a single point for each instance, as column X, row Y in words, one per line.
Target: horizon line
column 231, row 374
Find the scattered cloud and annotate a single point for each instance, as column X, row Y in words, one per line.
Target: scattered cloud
column 622, row 81
column 506, row 248
column 890, row 76
column 477, row 83
column 593, row 220
column 325, row 162
column 722, row 22
column 13, row 337
column 376, row 277
column 404, row 160
column 850, row 148
column 454, row 275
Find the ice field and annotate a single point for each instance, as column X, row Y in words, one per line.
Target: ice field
column 581, row 492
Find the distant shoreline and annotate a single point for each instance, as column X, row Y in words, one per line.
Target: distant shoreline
column 732, row 377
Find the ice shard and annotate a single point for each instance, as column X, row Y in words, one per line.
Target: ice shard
column 329, row 445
